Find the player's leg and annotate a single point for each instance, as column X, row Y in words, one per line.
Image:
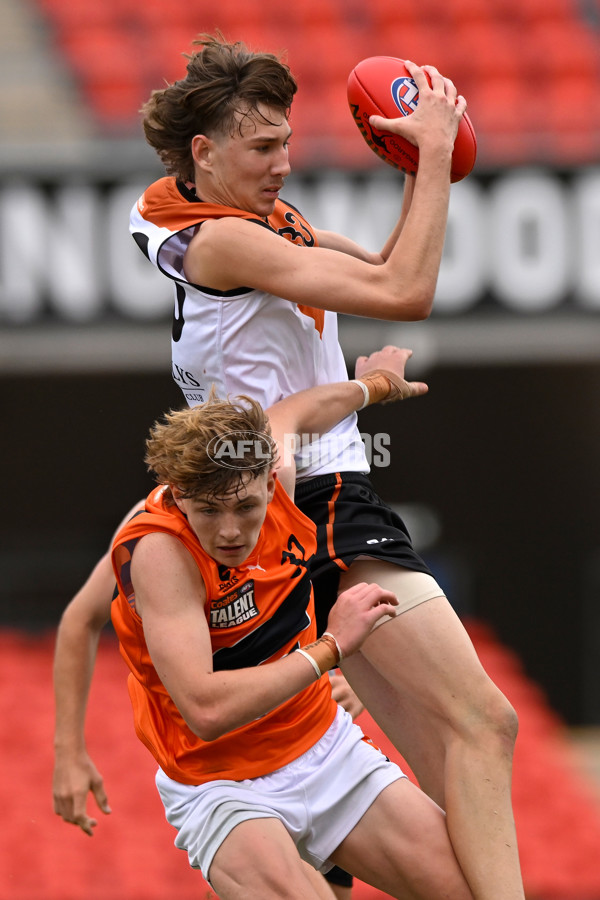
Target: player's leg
column 421, row 680
column 401, row 846
column 258, row 860
column 340, row 883
column 325, row 889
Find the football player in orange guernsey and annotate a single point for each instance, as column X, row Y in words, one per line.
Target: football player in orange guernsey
column 259, row 770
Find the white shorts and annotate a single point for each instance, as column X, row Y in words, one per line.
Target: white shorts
column 318, row 797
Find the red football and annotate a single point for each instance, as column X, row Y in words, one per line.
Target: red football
column 381, row 85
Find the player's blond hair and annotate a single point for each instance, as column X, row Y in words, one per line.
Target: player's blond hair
column 211, row 450
column 224, row 81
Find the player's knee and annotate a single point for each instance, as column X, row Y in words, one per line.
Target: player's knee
column 294, row 885
column 275, row 878
column 507, row 723
column 494, row 724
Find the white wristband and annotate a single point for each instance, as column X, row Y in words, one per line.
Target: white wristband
column 365, row 391
column 312, row 661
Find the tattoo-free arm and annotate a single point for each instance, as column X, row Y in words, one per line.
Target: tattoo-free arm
column 170, row 596
column 317, row 409
column 77, row 637
column 75, row 774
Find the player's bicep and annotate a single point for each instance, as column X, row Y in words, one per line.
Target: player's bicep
column 169, row 596
column 230, row 253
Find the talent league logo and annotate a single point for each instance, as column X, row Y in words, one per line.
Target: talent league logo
column 405, row 95
column 235, row 608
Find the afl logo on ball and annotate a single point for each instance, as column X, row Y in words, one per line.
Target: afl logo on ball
column 405, row 95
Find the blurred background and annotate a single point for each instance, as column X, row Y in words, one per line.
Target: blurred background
column 496, row 470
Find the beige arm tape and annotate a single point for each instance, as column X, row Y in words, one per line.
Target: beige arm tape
column 384, row 386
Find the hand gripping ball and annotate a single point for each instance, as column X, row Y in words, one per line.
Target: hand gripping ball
column 381, row 85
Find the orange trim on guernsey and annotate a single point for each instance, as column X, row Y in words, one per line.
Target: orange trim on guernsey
column 171, row 210
column 318, row 315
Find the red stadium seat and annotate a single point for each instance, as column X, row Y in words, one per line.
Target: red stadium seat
column 495, row 105
column 150, row 16
column 389, row 13
column 504, row 134
column 538, row 10
column 308, row 14
column 470, row 11
column 107, row 63
column 489, row 48
column 322, row 66
column 423, row 44
column 166, row 62
column 65, row 14
column 571, row 110
column 561, row 48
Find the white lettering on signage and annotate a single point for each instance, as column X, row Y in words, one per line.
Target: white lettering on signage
column 528, row 240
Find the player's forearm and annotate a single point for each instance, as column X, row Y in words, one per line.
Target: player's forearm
column 74, row 659
column 331, row 240
column 334, row 241
column 230, row 699
column 380, row 377
column 75, row 654
column 415, row 259
column 407, row 195
column 315, row 410
column 402, row 287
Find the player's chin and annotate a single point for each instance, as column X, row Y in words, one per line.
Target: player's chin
column 266, row 202
column 229, row 556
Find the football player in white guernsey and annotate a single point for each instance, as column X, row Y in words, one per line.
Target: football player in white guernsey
column 257, row 290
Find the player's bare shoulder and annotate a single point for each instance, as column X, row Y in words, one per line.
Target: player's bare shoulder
column 223, row 247
column 160, row 560
column 208, row 257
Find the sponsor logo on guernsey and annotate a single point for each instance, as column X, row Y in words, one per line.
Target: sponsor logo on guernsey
column 234, row 608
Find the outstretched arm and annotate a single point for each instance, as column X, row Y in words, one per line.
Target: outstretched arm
column 78, row 634
column 380, row 378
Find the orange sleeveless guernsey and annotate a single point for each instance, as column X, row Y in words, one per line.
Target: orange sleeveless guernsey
column 257, row 612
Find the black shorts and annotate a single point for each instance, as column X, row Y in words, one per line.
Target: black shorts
column 352, row 520
column 338, row 876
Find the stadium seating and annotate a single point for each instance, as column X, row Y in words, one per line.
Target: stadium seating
column 131, row 855
column 120, row 49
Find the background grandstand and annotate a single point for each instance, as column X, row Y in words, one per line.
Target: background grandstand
column 496, row 471
column 529, row 69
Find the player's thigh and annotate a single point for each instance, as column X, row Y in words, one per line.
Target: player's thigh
column 413, row 730
column 258, row 860
column 401, row 846
column 425, row 652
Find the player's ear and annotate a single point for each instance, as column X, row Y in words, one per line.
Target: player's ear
column 202, row 150
column 271, row 480
column 176, row 494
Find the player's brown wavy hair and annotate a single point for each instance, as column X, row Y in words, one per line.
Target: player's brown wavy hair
column 211, row 450
column 222, row 80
